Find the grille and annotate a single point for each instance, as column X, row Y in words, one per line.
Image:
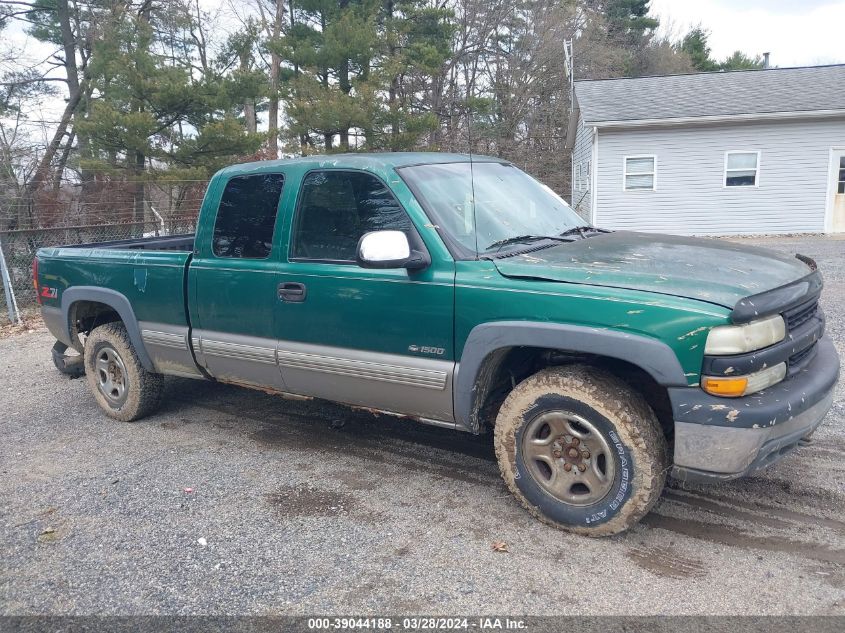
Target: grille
column 796, row 359
column 799, row 361
column 797, row 317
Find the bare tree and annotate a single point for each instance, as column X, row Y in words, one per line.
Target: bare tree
column 76, row 85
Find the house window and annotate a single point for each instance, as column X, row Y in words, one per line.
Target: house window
column 742, row 169
column 841, row 183
column 640, row 173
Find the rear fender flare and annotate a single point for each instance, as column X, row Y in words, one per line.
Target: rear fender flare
column 486, row 342
column 117, row 302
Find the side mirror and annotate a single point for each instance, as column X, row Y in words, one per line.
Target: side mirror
column 388, row 249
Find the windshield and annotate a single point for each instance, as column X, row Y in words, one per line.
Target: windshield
column 508, row 203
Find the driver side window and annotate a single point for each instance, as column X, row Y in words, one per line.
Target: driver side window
column 336, row 208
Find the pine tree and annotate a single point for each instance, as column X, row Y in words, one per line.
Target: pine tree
column 415, row 43
column 359, row 68
column 331, row 45
column 740, row 61
column 155, row 114
column 696, row 46
column 244, row 82
column 151, row 111
column 630, row 19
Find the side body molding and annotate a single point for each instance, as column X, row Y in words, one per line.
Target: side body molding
column 118, row 303
column 487, row 342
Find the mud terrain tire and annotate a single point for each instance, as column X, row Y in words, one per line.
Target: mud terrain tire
column 561, row 411
column 122, row 387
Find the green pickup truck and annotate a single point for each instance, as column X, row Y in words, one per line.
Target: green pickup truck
column 462, row 293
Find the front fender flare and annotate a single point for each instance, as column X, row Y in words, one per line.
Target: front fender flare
column 116, row 301
column 485, row 340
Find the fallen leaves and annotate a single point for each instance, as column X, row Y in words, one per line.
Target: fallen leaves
column 30, row 322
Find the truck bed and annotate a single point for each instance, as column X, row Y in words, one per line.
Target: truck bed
column 151, row 273
column 183, row 243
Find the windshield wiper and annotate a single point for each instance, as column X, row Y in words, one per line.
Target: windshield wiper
column 525, row 239
column 581, row 230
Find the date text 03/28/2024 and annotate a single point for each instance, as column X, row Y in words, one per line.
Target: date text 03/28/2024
column 417, row 624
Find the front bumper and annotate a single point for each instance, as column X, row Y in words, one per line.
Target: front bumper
column 718, row 439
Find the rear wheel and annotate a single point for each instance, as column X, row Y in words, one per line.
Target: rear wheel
column 581, row 450
column 122, row 387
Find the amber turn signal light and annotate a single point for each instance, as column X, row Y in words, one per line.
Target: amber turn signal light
column 725, row 387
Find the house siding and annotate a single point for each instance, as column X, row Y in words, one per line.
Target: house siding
column 690, row 198
column 582, row 152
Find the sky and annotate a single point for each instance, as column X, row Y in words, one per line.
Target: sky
column 795, row 32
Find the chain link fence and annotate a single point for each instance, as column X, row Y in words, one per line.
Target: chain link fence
column 19, row 248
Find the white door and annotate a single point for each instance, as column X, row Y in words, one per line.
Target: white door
column 837, row 214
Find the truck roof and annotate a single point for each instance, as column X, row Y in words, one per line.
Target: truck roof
column 371, row 160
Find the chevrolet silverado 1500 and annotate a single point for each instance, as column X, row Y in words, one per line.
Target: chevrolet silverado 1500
column 463, row 293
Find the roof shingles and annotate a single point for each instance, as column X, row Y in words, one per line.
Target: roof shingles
column 725, row 94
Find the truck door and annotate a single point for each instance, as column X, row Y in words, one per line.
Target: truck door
column 233, row 278
column 374, row 338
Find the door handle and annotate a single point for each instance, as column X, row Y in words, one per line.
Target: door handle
column 292, row 292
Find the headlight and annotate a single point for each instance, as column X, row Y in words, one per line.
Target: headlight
column 736, row 386
column 738, row 339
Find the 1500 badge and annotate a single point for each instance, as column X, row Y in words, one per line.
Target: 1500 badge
column 426, row 349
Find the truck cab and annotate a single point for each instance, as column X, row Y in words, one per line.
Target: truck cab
column 460, row 292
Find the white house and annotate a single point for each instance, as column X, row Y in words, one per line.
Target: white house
column 742, row 152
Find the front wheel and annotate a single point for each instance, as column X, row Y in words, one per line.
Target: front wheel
column 581, row 450
column 122, row 387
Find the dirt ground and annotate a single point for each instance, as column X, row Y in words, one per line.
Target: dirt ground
column 231, row 501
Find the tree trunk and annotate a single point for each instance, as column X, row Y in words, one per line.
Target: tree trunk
column 249, row 116
column 140, row 191
column 394, row 84
column 42, row 171
column 275, row 67
column 249, row 104
column 83, row 147
column 394, row 111
column 42, row 174
column 345, row 87
column 140, row 157
column 60, row 168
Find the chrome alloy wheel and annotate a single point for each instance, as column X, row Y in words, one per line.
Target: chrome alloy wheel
column 112, row 380
column 568, row 457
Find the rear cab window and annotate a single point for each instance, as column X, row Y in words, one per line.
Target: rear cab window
column 246, row 217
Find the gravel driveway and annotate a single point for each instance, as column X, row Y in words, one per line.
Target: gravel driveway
column 233, row 501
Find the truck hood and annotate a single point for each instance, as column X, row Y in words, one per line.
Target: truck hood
column 711, row 270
